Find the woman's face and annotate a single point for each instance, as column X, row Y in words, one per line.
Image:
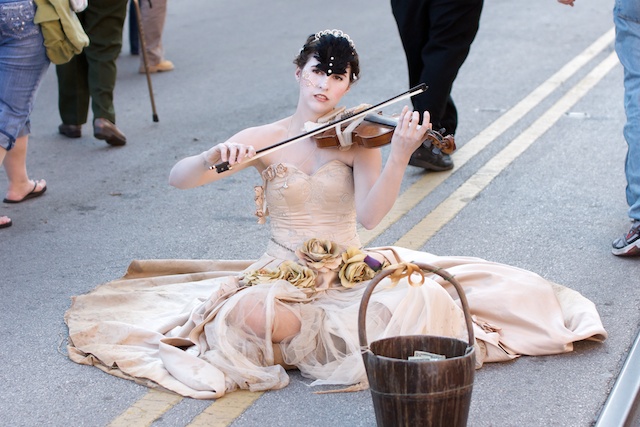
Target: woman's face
column 321, row 91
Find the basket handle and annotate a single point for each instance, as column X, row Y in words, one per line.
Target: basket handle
column 362, row 316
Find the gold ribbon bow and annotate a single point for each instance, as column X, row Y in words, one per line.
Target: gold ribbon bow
column 405, row 269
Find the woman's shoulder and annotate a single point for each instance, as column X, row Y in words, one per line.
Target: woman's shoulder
column 261, row 136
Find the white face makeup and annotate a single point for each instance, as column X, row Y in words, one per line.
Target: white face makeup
column 321, row 92
column 312, row 76
column 310, row 80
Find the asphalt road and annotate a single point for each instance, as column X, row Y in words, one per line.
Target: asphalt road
column 553, row 207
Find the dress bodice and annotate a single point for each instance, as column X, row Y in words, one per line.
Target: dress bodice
column 301, row 206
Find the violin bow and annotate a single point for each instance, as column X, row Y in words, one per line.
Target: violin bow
column 416, row 90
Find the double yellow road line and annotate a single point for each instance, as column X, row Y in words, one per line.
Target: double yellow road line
column 154, row 404
column 442, row 214
column 223, row 411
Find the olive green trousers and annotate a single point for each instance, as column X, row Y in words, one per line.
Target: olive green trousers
column 91, row 75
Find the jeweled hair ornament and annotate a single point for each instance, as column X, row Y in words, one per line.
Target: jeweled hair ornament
column 335, row 33
column 334, row 51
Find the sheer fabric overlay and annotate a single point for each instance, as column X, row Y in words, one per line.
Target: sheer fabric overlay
column 193, row 327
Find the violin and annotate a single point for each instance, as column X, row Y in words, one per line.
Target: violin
column 224, row 166
column 376, row 130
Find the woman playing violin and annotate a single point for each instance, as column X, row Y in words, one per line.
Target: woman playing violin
column 326, row 68
column 203, row 328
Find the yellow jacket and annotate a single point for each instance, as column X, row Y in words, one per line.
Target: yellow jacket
column 63, row 34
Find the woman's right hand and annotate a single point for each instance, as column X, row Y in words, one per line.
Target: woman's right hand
column 195, row 171
column 231, row 152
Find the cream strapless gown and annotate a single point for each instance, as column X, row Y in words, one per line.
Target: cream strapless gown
column 180, row 324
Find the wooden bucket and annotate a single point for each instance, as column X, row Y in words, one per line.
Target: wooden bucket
column 419, row 393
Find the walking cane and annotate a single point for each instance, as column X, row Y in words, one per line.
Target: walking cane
column 144, row 59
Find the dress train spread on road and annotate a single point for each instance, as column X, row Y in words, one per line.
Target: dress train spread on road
column 202, row 328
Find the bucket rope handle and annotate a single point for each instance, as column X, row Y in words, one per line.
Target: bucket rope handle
column 407, row 269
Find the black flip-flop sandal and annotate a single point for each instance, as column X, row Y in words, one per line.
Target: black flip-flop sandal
column 31, row 195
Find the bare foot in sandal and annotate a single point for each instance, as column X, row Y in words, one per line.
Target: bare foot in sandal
column 33, row 189
column 5, row 222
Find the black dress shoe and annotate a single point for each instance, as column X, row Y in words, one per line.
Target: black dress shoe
column 431, row 158
column 107, row 131
column 70, row 131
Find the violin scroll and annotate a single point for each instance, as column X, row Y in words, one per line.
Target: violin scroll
column 446, row 144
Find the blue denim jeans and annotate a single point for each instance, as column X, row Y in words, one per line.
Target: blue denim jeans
column 626, row 16
column 23, row 64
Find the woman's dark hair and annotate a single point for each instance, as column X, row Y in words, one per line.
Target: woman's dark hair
column 334, row 51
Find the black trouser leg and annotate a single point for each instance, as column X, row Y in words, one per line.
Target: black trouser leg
column 436, row 35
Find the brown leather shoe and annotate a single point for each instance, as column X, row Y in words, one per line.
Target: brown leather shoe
column 431, row 159
column 107, row 131
column 70, row 131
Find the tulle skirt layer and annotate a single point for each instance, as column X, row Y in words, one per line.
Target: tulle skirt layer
column 191, row 327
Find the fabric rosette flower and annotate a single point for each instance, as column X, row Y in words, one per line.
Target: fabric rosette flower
column 357, row 267
column 257, row 277
column 294, row 273
column 272, row 171
column 298, row 275
column 259, row 201
column 321, row 255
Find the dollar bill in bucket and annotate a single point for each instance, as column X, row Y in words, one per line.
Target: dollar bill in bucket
column 425, row 356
